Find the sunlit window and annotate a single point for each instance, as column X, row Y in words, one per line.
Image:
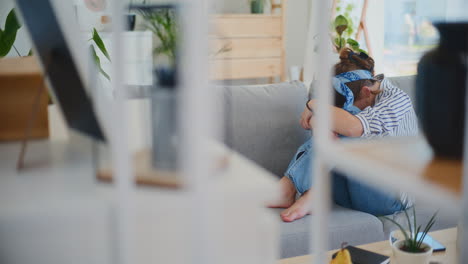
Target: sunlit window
column 409, row 33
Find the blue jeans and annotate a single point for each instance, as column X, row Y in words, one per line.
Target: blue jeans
column 346, row 191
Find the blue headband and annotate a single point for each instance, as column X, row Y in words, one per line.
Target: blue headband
column 339, row 83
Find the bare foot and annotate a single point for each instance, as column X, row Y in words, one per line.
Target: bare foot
column 299, row 209
column 288, row 194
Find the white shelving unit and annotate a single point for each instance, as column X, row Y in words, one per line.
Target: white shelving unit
column 398, row 164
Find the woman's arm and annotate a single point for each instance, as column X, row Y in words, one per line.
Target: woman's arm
column 343, row 123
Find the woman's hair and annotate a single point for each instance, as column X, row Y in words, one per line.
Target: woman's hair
column 351, row 61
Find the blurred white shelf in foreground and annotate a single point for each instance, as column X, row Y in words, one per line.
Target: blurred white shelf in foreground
column 402, row 164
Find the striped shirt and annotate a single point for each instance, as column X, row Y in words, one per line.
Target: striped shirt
column 392, row 114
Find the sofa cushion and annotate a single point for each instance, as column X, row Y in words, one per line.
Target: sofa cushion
column 262, row 122
column 407, row 84
column 345, row 225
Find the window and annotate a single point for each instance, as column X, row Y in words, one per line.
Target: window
column 410, row 33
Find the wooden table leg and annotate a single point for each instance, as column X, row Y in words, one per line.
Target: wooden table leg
column 29, row 127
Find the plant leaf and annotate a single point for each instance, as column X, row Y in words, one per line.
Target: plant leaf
column 353, row 43
column 8, row 34
column 100, row 44
column 341, row 24
column 363, row 51
column 97, row 61
column 399, row 226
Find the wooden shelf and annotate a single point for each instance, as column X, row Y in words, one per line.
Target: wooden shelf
column 403, row 164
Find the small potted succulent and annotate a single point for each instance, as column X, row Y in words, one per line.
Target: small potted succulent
column 411, row 249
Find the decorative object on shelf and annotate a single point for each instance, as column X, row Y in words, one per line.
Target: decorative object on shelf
column 131, row 19
column 96, row 5
column 411, row 249
column 257, row 6
column 163, row 23
column 441, row 88
column 92, row 14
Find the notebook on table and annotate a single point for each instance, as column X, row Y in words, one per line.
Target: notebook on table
column 362, row 256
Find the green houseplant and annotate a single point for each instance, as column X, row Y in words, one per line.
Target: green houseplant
column 411, row 247
column 97, row 40
column 8, row 34
column 341, row 27
column 164, row 25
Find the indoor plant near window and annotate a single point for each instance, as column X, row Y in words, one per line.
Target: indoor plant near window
column 411, row 249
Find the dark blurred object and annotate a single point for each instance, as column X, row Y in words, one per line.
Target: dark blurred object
column 165, row 132
column 131, row 18
column 166, row 77
column 59, row 67
column 256, row 6
column 440, row 90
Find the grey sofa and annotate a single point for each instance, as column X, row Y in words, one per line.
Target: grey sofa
column 262, row 124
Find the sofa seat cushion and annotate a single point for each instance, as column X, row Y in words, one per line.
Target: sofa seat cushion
column 262, row 122
column 345, row 225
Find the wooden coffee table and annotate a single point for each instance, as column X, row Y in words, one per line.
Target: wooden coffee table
column 447, row 237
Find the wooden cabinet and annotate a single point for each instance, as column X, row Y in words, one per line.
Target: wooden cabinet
column 247, row 46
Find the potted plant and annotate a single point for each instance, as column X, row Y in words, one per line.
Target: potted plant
column 342, row 28
column 411, row 249
column 163, row 23
column 256, row 6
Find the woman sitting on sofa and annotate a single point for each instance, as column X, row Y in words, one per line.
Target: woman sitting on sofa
column 365, row 107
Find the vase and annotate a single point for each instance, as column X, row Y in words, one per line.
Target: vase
column 164, row 120
column 403, row 257
column 440, row 91
column 131, row 18
column 256, row 7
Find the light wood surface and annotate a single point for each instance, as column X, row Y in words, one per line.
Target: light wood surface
column 255, row 45
column 20, row 80
column 247, row 26
column 145, row 174
column 245, row 68
column 24, row 66
column 245, row 48
column 447, row 237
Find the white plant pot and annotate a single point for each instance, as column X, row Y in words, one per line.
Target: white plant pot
column 403, row 257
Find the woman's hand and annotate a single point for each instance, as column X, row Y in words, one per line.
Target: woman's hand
column 305, row 118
